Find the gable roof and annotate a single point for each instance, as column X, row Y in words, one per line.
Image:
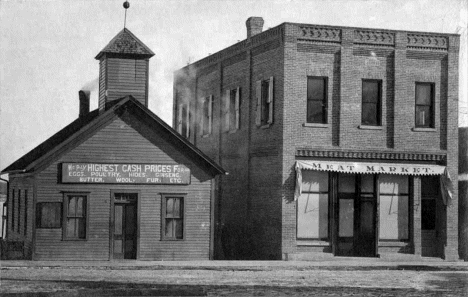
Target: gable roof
column 127, row 44
column 79, row 127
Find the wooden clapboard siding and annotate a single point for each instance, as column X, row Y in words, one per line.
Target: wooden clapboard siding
column 125, row 139
column 127, row 77
column 102, row 83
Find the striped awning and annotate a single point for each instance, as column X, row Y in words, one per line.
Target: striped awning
column 376, row 168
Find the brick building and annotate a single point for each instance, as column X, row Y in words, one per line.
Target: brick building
column 338, row 141
column 116, row 183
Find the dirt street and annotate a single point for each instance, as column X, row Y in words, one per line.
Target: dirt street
column 34, row 281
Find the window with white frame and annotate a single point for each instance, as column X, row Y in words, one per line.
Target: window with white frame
column 264, row 95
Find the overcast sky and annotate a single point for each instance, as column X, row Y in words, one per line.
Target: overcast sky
column 47, row 48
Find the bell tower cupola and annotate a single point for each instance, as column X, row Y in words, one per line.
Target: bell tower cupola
column 123, row 69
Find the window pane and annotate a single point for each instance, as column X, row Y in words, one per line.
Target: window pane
column 232, row 110
column 169, row 228
column 370, row 91
column 367, row 183
column 79, row 206
column 179, row 229
column 170, row 207
column 312, row 216
column 81, row 226
column 423, row 116
column 370, row 114
column 314, row 181
column 346, row 183
column 393, row 184
column 423, row 94
column 394, row 218
column 346, row 218
column 71, row 206
column 316, row 89
column 71, row 228
column 315, row 112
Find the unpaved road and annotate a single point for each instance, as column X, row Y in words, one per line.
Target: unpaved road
column 224, row 282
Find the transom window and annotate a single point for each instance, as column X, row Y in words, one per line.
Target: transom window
column 371, row 102
column 317, row 100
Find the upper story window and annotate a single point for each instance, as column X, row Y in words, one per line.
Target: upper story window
column 264, row 93
column 183, row 120
column 232, row 109
column 371, row 102
column 424, row 115
column 317, row 100
column 207, row 115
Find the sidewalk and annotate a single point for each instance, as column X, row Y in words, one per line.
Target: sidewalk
column 338, row 263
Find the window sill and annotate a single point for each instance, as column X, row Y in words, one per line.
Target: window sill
column 367, row 127
column 315, row 125
column 172, row 239
column 266, row 126
column 421, row 129
column 74, row 239
column 393, row 243
column 300, row 242
column 205, row 135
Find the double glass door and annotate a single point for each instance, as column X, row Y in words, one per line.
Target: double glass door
column 356, row 211
column 124, row 231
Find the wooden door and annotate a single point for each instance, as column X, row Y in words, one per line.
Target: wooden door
column 357, row 208
column 124, row 231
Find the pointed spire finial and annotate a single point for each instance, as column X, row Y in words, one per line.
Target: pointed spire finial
column 126, row 5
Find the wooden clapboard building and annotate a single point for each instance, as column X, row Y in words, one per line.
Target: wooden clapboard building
column 118, row 182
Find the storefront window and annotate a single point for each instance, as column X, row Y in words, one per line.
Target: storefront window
column 312, row 206
column 394, row 206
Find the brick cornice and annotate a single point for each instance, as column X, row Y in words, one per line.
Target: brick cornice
column 382, row 155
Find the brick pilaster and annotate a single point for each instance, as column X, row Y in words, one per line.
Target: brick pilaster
column 416, row 223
